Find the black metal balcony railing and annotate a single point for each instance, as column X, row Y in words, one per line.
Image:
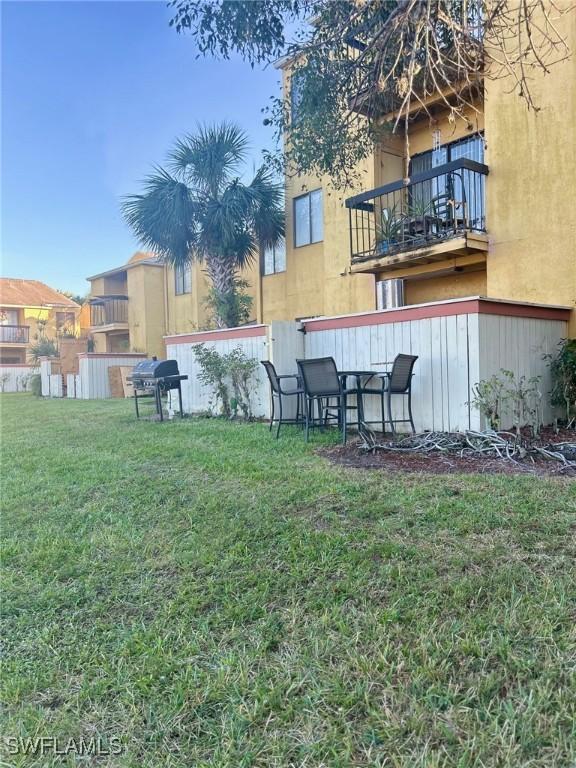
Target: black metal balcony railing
column 14, row 334
column 109, row 310
column 445, row 202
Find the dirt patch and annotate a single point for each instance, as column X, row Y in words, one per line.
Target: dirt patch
column 438, row 463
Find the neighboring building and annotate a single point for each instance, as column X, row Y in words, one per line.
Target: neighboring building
column 29, row 309
column 492, row 214
column 134, row 306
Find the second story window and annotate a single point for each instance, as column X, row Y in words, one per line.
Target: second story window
column 9, row 317
column 308, row 219
column 275, row 259
column 65, row 322
column 183, row 279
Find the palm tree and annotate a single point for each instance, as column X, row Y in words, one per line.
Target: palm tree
column 199, row 209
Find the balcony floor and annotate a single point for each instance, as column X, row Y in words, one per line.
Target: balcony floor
column 427, row 253
column 109, row 327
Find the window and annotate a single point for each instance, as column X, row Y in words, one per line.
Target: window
column 9, row 317
column 459, row 186
column 275, row 259
column 183, row 279
column 296, row 92
column 308, row 219
column 65, row 321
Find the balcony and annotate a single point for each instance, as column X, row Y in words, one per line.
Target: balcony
column 438, row 214
column 14, row 334
column 109, row 311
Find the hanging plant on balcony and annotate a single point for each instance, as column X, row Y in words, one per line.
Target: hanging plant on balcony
column 389, row 229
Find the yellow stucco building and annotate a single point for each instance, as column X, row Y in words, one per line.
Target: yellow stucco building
column 132, row 307
column 488, row 211
column 29, row 310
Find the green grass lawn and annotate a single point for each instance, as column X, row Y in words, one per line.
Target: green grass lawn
column 213, row 597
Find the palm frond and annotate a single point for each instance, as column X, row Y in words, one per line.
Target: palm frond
column 210, row 158
column 165, row 218
column 242, row 249
column 232, row 211
column 268, row 220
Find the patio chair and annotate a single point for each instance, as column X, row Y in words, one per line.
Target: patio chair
column 398, row 381
column 323, row 389
column 277, row 392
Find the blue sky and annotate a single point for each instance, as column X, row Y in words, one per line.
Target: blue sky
column 93, row 94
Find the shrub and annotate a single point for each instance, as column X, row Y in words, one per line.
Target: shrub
column 235, row 306
column 42, row 348
column 563, row 370
column 213, row 374
column 241, row 370
column 230, row 376
column 35, row 384
column 521, row 397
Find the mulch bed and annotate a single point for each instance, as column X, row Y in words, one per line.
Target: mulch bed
column 438, row 463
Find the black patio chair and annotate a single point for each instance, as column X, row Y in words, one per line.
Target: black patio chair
column 323, row 389
column 277, row 392
column 398, row 381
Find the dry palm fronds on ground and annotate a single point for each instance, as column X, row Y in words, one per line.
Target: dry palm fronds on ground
column 489, row 444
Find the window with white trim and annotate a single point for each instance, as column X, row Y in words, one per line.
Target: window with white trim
column 308, row 219
column 275, row 259
column 183, row 279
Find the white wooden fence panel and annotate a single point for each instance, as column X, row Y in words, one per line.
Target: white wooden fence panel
column 441, row 386
column 197, row 397
column 94, row 383
column 520, row 345
column 455, row 352
column 15, row 378
column 56, row 388
column 70, row 385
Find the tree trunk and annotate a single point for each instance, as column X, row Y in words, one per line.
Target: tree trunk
column 222, row 273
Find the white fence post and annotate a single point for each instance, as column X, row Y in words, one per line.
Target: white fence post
column 286, row 342
column 45, row 373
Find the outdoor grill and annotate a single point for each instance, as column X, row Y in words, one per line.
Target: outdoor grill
column 153, row 378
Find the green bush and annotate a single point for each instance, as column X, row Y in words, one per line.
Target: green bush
column 520, row 397
column 230, row 377
column 563, row 370
column 35, row 384
column 43, row 347
column 235, row 307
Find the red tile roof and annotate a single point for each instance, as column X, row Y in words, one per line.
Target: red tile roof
column 31, row 293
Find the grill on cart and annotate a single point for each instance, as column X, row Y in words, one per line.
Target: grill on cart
column 153, row 378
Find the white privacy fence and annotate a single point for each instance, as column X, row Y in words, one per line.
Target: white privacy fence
column 15, row 377
column 458, row 343
column 277, row 342
column 92, row 381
